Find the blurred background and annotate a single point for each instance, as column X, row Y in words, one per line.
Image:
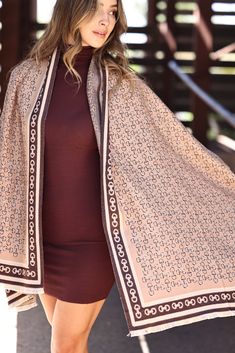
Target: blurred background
column 185, row 50
column 170, row 43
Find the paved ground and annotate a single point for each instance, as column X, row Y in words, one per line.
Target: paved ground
column 110, row 330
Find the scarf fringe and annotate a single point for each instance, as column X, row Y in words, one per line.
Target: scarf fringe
column 155, row 329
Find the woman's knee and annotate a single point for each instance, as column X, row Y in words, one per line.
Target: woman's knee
column 71, row 326
column 70, row 344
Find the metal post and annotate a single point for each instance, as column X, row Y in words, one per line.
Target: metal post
column 170, row 46
column 28, row 16
column 203, row 47
column 152, row 13
column 152, row 33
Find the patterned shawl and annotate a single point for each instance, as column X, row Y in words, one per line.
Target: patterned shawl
column 168, row 204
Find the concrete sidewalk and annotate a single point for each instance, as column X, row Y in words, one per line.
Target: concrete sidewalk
column 109, row 334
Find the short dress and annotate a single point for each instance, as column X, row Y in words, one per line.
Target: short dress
column 77, row 265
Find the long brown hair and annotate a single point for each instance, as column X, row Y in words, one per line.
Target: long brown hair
column 65, row 21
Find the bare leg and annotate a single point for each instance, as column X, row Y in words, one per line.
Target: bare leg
column 48, row 303
column 71, row 323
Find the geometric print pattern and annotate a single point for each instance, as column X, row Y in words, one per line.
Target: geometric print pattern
column 167, row 202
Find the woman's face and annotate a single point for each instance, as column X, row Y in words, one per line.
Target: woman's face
column 96, row 29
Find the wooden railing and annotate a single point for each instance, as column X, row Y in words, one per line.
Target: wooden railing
column 186, row 31
column 213, row 104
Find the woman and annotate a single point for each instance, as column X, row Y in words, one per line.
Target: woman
column 167, row 204
column 77, row 268
column 74, row 245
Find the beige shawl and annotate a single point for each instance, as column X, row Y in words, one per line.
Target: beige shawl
column 168, row 204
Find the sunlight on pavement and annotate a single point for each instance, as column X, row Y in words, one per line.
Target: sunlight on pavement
column 8, row 326
column 143, row 344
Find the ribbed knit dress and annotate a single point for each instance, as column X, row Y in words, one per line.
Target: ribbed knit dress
column 77, row 264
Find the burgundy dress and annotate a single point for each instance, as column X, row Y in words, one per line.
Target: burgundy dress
column 76, row 258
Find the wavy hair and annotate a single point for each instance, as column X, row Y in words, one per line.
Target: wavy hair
column 66, row 19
